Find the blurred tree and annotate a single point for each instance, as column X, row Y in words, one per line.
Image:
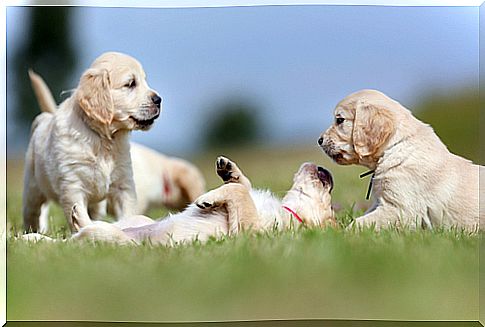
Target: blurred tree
column 455, row 118
column 49, row 50
column 233, row 122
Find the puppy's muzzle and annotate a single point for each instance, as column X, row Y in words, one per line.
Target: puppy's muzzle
column 328, row 147
column 157, row 100
column 148, row 114
column 325, row 144
column 325, row 177
column 318, row 173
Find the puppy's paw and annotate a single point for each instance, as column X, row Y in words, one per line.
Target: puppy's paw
column 205, row 205
column 362, row 223
column 75, row 217
column 227, row 170
column 206, row 201
column 351, row 226
column 36, row 237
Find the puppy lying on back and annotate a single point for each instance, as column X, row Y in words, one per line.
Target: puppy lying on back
column 417, row 181
column 163, row 181
column 227, row 210
column 79, row 153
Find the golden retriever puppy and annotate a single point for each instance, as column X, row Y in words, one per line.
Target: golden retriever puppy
column 163, row 181
column 226, row 210
column 160, row 181
column 79, row 153
column 416, row 181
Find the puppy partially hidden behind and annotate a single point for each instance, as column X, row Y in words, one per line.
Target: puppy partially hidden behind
column 417, row 182
column 79, row 153
column 226, row 210
column 163, row 181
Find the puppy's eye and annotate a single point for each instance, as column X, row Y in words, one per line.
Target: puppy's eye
column 131, row 84
column 339, row 120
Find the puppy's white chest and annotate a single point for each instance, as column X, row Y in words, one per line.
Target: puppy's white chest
column 102, row 177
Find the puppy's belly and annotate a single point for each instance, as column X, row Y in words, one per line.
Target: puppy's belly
column 181, row 228
column 269, row 209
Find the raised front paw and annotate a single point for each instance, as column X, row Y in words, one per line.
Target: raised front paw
column 206, row 201
column 227, row 170
column 204, row 205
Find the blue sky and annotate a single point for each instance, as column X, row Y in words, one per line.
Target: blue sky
column 296, row 62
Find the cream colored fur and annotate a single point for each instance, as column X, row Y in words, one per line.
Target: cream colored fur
column 418, row 182
column 79, row 152
column 163, row 181
column 226, row 210
column 160, row 181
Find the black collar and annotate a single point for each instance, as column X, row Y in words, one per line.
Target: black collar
column 367, row 173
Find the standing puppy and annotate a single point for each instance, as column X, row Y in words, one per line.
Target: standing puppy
column 80, row 153
column 416, row 181
column 160, row 181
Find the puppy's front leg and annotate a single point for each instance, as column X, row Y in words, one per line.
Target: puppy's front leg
column 242, row 213
column 122, row 199
column 230, row 172
column 383, row 216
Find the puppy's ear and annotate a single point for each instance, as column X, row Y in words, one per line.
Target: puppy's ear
column 94, row 96
column 373, row 126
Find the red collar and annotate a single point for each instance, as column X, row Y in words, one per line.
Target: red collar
column 166, row 185
column 293, row 213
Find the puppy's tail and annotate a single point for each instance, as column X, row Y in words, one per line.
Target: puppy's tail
column 42, row 93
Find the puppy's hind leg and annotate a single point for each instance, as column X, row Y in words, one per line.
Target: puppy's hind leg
column 44, row 218
column 101, row 231
column 32, row 201
column 242, row 212
column 230, row 172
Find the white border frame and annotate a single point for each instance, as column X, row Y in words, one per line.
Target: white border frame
column 154, row 4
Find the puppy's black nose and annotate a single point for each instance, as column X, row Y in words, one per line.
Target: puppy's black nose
column 320, row 141
column 157, row 100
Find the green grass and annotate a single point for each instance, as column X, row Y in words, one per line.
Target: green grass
column 304, row 273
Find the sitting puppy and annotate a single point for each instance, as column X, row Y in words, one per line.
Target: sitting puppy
column 227, row 210
column 163, row 181
column 80, row 153
column 416, row 181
